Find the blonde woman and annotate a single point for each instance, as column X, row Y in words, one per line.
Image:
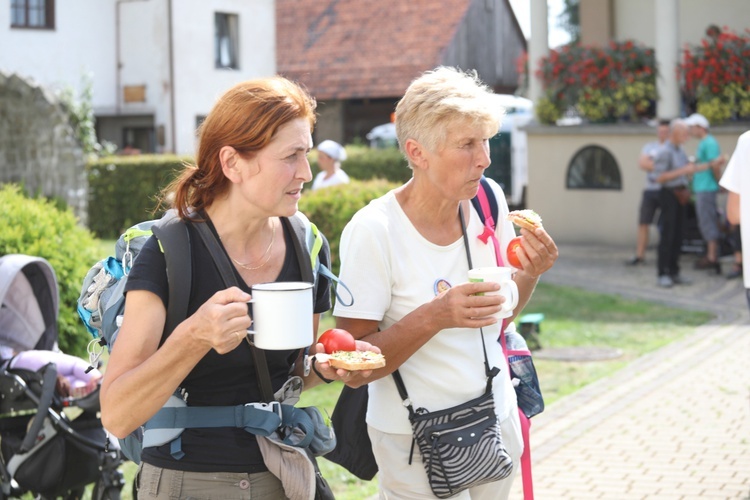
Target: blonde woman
column 403, row 256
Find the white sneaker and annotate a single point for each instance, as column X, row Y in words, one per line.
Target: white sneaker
column 665, row 281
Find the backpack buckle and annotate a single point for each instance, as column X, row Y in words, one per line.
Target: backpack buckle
column 273, row 407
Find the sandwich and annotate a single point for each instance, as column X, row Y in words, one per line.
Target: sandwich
column 527, row 219
column 356, row 360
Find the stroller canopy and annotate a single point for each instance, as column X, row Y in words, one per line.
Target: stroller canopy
column 29, row 304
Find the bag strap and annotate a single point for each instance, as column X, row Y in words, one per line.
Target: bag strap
column 483, row 206
column 174, row 241
column 304, row 257
column 308, row 242
column 490, row 372
column 221, row 260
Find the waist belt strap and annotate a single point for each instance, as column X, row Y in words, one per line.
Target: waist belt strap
column 295, row 427
column 253, row 420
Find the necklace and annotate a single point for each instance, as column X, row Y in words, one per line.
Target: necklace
column 266, row 255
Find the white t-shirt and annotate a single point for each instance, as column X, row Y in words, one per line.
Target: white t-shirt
column 650, row 150
column 391, row 270
column 736, row 178
column 338, row 177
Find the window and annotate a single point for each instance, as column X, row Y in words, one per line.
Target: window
column 593, row 167
column 138, row 139
column 32, row 14
column 199, row 119
column 227, row 41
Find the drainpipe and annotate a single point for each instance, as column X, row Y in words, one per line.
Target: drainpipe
column 172, row 111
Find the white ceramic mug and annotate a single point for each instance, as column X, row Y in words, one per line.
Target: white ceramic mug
column 508, row 288
column 282, row 314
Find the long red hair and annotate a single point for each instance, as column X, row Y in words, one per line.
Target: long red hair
column 246, row 118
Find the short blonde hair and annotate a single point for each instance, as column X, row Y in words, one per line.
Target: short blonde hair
column 441, row 97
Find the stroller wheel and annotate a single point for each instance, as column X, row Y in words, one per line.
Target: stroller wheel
column 101, row 492
column 74, row 494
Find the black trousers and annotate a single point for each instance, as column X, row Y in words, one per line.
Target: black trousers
column 670, row 243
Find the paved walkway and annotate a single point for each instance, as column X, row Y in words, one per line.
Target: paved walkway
column 675, row 424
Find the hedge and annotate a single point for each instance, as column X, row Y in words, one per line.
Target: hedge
column 366, row 163
column 37, row 227
column 123, row 190
column 331, row 208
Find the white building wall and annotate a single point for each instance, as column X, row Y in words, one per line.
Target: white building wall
column 81, row 43
column 198, row 82
column 124, row 43
column 634, row 19
column 143, row 55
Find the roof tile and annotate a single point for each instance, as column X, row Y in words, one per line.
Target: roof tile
column 342, row 49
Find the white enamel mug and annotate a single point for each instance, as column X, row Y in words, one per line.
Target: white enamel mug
column 508, row 288
column 282, row 314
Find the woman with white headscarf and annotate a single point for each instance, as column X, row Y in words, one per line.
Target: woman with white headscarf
column 330, row 156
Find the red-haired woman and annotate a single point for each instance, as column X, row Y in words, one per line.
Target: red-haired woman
column 248, row 175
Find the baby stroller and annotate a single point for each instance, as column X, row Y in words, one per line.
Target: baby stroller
column 51, row 445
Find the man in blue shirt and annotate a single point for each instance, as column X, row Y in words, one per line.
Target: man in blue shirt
column 708, row 166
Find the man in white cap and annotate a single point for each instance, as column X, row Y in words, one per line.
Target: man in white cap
column 708, row 165
column 330, row 156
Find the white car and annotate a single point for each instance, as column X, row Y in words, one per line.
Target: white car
column 383, row 136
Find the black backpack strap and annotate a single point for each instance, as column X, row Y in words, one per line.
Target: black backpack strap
column 226, row 270
column 174, row 240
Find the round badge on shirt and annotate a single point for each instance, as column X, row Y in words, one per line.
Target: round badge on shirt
column 441, row 285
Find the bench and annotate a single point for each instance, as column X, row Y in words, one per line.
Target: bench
column 531, row 326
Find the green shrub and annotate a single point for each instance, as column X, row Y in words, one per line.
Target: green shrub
column 331, row 208
column 124, row 190
column 36, row 227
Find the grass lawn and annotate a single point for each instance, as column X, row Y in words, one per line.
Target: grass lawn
column 573, row 317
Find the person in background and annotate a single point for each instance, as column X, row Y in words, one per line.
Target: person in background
column 708, row 165
column 734, row 237
column 650, row 198
column 248, row 176
column 330, row 156
column 736, row 180
column 399, row 249
column 671, row 171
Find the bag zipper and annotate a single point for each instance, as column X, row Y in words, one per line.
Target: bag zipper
column 436, row 434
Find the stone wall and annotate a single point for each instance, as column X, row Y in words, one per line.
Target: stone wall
column 38, row 147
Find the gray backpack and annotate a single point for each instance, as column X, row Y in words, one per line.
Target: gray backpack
column 101, row 305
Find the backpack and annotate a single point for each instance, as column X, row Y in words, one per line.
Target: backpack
column 101, row 305
column 517, row 354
